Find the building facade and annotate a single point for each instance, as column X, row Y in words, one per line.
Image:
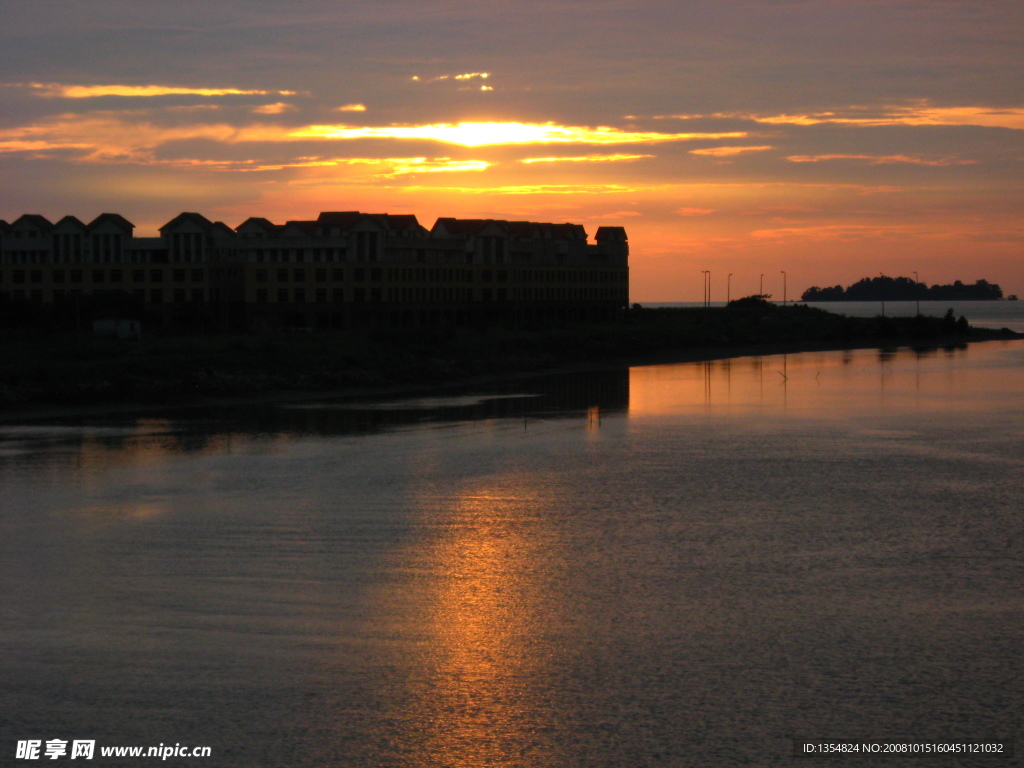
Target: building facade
column 343, row 269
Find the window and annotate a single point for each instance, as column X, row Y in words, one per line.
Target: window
column 98, row 275
column 261, row 275
column 58, row 275
column 321, row 275
column 197, row 295
column 156, row 296
column 19, row 275
column 282, row 275
column 138, row 275
column 179, row 275
column 116, row 275
column 179, row 295
column 197, row 275
column 282, row 295
column 299, row 275
column 375, row 275
column 76, row 276
column 359, row 275
column 261, row 295
column 36, row 276
column 156, row 275
column 337, row 275
column 300, row 295
column 338, row 294
column 359, row 295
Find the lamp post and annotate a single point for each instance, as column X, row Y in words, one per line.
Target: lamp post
column 706, row 278
column 728, row 289
column 783, row 287
column 917, row 292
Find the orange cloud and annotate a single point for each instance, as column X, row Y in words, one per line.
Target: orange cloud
column 585, row 159
column 274, row 109
column 920, row 114
column 728, row 151
column 91, row 91
column 351, row 108
column 466, row 76
column 878, row 159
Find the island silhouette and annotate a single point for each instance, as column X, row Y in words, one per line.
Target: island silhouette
column 884, row 288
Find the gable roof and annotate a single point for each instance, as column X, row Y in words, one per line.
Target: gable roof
column 308, row 228
column 390, row 222
column 32, row 220
column 258, row 222
column 116, row 219
column 70, row 221
column 196, row 218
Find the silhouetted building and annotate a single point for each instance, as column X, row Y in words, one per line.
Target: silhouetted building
column 343, row 269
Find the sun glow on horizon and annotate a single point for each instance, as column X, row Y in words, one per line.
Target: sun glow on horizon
column 480, row 134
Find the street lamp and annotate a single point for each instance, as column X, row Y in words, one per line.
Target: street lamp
column 728, row 289
column 707, row 280
column 783, row 287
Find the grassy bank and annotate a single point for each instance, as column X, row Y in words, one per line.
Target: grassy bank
column 39, row 369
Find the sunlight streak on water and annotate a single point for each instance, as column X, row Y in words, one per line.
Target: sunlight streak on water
column 678, row 565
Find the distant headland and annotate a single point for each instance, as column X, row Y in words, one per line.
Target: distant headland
column 884, row 288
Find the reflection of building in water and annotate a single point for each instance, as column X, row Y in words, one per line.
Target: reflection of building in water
column 342, row 269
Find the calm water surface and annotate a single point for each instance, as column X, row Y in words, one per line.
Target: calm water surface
column 684, row 565
column 983, row 314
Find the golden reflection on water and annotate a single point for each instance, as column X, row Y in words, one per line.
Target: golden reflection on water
column 478, row 706
column 811, row 384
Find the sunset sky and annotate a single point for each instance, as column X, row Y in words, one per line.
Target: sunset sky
column 833, row 139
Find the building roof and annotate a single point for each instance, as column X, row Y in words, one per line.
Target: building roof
column 196, row 218
column 521, row 229
column 309, row 228
column 34, row 220
column 392, row 222
column 611, row 233
column 72, row 221
column 258, row 221
column 116, row 219
column 467, row 227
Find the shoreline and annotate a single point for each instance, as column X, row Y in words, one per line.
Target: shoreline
column 56, row 411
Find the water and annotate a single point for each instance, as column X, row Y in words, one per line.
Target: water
column 671, row 565
column 984, row 314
